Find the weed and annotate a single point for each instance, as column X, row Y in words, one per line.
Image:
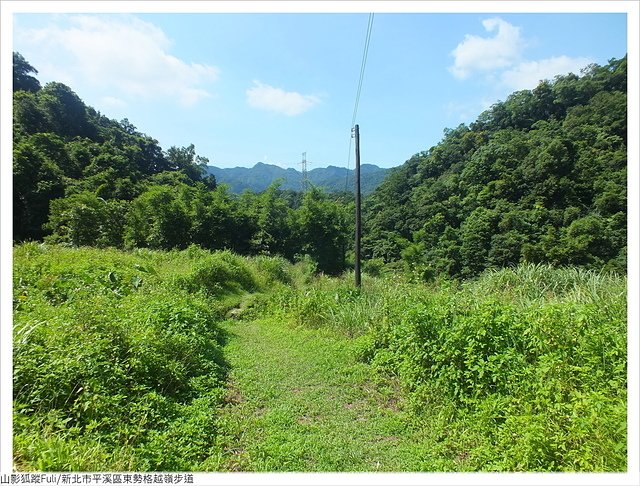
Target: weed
column 114, row 362
column 119, row 365
column 528, row 361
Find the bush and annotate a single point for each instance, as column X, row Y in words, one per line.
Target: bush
column 272, row 270
column 112, row 362
column 532, row 360
column 84, row 219
column 219, row 273
column 522, row 369
column 373, row 267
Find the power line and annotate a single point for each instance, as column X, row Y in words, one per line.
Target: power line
column 363, row 65
column 365, row 53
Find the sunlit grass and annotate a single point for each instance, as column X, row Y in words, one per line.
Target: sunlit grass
column 528, row 364
column 124, row 361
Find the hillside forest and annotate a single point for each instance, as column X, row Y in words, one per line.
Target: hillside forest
column 332, row 179
column 540, row 177
column 163, row 322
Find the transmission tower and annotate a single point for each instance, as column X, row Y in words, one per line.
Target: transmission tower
column 305, row 174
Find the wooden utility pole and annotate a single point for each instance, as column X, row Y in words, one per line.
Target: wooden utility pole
column 358, row 223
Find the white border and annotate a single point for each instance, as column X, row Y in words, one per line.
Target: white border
column 631, row 7
column 328, row 6
column 6, row 241
column 633, row 241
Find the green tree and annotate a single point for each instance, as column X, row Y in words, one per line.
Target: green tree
column 158, row 219
column 212, row 218
column 28, row 116
column 37, row 179
column 65, row 113
column 22, row 79
column 185, row 159
column 84, row 219
column 274, row 223
column 475, row 237
column 322, row 229
column 584, row 241
column 516, row 184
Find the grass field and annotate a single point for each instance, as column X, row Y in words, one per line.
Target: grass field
column 205, row 361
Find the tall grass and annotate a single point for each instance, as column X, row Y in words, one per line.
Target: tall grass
column 530, row 282
column 117, row 356
column 523, row 369
column 118, row 360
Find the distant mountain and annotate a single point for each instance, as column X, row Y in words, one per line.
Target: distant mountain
column 333, row 179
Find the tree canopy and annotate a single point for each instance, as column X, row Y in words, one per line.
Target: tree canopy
column 22, row 79
column 540, row 177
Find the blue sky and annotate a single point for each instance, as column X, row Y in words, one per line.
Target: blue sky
column 247, row 88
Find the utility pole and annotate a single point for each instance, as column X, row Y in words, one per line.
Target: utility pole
column 305, row 175
column 358, row 223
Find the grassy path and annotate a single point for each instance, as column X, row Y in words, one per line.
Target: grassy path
column 299, row 401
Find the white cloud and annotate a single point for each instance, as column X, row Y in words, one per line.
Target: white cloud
column 484, row 54
column 288, row 103
column 122, row 56
column 500, row 61
column 528, row 74
column 113, row 101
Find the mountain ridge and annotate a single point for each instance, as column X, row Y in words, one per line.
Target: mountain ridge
column 262, row 175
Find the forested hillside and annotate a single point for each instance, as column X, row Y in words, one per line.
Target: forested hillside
column 83, row 179
column 332, row 179
column 540, row 177
column 161, row 346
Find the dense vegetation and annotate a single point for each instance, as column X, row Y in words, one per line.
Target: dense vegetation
column 540, row 177
column 117, row 356
column 119, row 361
column 141, row 262
column 83, row 179
column 521, row 370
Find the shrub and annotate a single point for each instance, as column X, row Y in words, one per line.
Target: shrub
column 111, row 362
column 272, row 270
column 219, row 273
column 522, row 369
column 532, row 360
column 84, row 219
